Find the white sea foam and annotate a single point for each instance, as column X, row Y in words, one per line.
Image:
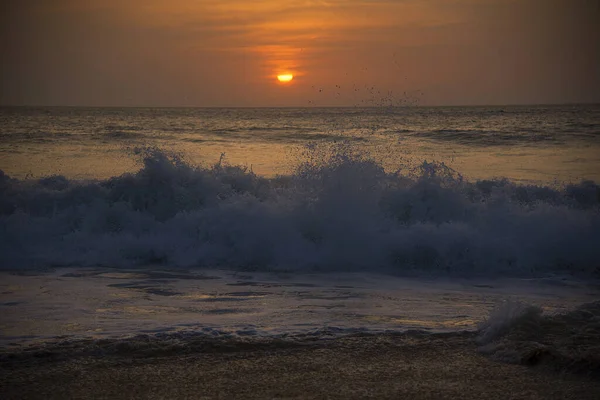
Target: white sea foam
column 339, row 210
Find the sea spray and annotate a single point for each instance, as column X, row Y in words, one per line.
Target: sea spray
column 339, row 210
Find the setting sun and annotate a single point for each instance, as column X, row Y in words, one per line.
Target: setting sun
column 285, row 77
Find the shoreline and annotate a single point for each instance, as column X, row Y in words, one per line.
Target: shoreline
column 413, row 365
column 104, row 303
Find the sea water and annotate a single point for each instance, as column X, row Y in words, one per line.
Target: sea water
column 288, row 220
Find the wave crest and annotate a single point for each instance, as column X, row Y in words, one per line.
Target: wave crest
column 339, row 210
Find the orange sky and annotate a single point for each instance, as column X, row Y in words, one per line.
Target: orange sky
column 342, row 52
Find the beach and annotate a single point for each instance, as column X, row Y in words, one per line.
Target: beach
column 412, row 366
column 300, row 199
column 158, row 333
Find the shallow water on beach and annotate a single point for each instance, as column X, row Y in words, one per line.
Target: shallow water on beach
column 74, row 303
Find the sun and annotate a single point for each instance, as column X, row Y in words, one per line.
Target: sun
column 285, row 77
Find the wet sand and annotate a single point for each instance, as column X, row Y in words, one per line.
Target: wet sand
column 399, row 366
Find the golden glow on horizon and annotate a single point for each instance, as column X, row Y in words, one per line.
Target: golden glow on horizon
column 285, row 77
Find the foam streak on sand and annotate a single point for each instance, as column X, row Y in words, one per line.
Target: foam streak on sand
column 339, row 211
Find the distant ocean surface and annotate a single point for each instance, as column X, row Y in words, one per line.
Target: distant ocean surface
column 542, row 144
column 469, row 191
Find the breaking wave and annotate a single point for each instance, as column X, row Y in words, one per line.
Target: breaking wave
column 519, row 333
column 338, row 211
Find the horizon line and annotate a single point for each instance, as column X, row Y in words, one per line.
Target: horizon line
column 308, row 107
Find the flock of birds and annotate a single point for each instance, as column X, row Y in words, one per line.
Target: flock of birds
column 372, row 96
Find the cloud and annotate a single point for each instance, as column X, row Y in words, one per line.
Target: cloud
column 220, row 51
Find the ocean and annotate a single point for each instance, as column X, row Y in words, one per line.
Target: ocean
column 466, row 191
column 275, row 222
column 538, row 145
